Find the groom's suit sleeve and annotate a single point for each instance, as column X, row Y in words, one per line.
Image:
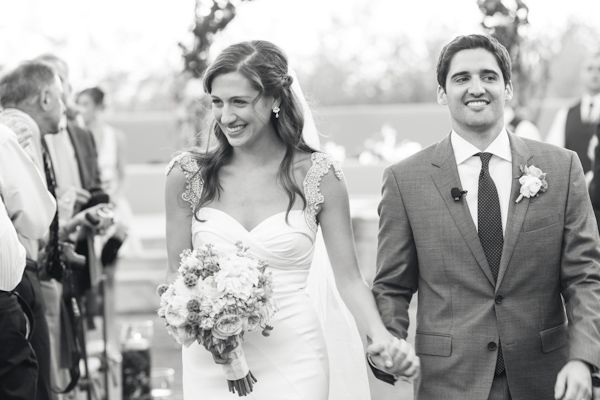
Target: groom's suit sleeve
column 397, row 264
column 580, row 270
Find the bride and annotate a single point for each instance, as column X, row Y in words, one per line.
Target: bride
column 264, row 185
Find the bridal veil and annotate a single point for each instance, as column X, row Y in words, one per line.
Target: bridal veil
column 348, row 378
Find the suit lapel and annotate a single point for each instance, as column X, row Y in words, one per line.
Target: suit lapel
column 445, row 178
column 516, row 211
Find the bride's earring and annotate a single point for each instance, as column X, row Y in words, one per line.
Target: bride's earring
column 276, row 111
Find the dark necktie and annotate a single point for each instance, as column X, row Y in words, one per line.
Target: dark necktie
column 53, row 263
column 489, row 227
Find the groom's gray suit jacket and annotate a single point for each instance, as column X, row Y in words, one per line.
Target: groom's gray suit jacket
column 428, row 242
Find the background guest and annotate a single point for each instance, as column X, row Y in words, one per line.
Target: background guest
column 73, row 149
column 26, row 204
column 517, row 123
column 595, row 182
column 573, row 127
column 18, row 367
column 110, row 143
column 34, row 89
column 31, row 98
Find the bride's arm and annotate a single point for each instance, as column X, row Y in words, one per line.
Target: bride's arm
column 179, row 220
column 336, row 225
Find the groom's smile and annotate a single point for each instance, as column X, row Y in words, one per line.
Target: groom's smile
column 477, row 104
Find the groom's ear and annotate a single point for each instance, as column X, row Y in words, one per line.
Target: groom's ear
column 508, row 91
column 441, row 96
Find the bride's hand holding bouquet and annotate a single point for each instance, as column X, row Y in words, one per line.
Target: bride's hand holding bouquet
column 216, row 298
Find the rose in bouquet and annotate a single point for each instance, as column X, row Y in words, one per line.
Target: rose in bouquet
column 216, row 298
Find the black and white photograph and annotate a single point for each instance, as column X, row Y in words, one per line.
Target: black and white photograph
column 300, row 200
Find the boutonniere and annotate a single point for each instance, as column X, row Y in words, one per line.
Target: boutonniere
column 533, row 182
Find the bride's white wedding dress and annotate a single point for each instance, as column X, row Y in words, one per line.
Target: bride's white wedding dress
column 292, row 363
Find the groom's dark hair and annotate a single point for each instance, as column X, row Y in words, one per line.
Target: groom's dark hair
column 471, row 42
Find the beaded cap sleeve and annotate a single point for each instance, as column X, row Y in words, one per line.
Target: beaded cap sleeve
column 190, row 169
column 320, row 165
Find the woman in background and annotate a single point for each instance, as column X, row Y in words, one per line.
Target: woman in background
column 110, row 144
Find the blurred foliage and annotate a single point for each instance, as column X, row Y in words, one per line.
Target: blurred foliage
column 531, row 57
column 354, row 65
column 576, row 43
column 211, row 16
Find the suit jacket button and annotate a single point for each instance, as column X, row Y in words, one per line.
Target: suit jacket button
column 499, row 299
column 492, row 346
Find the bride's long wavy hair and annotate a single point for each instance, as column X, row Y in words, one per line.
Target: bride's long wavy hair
column 266, row 67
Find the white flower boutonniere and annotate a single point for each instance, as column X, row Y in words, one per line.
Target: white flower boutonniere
column 533, row 182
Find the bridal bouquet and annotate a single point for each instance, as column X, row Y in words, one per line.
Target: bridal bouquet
column 216, row 298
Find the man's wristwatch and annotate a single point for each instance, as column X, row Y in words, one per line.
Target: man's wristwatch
column 596, row 380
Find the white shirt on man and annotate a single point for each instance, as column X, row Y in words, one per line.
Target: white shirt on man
column 27, row 206
column 21, row 122
column 469, row 167
column 12, row 253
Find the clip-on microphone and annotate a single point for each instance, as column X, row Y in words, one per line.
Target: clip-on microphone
column 457, row 194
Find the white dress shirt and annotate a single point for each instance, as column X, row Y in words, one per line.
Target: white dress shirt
column 469, row 167
column 29, row 205
column 26, row 207
column 20, row 122
column 12, row 253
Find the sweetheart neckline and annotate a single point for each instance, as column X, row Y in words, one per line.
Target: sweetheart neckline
column 258, row 225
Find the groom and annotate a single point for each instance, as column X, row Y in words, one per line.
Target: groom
column 492, row 269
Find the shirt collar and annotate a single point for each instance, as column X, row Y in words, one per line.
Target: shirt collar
column 463, row 150
column 586, row 99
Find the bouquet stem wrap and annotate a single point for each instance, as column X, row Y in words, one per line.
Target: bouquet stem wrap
column 237, row 372
column 237, row 368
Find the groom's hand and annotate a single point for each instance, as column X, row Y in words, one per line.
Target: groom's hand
column 404, row 362
column 379, row 355
column 574, row 382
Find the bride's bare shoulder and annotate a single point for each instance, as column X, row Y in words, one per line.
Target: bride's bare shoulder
column 302, row 162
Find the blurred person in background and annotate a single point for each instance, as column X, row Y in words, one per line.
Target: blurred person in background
column 75, row 159
column 33, row 89
column 595, row 181
column 573, row 127
column 32, row 108
column 74, row 154
column 73, row 149
column 516, row 122
column 110, row 144
column 26, row 207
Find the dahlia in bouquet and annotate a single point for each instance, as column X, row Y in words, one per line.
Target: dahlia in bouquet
column 216, row 298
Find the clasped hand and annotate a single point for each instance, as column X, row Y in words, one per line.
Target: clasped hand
column 396, row 357
column 574, row 382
